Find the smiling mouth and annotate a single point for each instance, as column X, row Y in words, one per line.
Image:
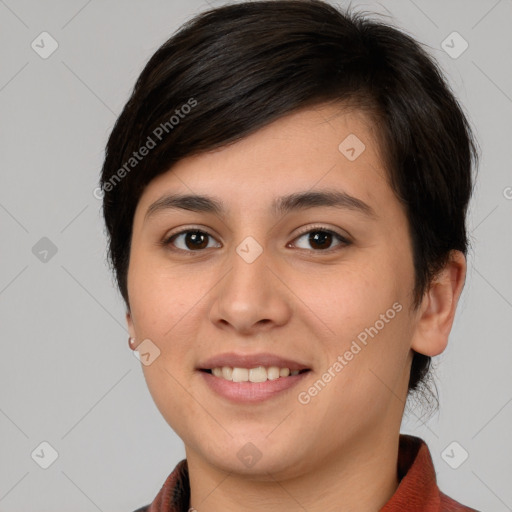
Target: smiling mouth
column 257, row 374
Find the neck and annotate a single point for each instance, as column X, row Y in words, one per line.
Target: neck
column 362, row 477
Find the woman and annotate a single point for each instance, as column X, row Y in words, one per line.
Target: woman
column 285, row 194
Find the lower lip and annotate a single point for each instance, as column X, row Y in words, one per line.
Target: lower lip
column 251, row 392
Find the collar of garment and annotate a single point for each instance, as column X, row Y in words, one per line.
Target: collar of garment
column 417, row 490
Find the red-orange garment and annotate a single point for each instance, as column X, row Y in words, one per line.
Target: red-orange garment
column 416, row 492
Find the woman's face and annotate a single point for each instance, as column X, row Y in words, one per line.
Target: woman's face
column 326, row 287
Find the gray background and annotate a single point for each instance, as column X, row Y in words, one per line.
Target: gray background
column 67, row 374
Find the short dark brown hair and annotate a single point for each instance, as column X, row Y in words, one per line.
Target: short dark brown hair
column 244, row 66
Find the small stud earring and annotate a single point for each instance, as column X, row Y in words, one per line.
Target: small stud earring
column 131, row 341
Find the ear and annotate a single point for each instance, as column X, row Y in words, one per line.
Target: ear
column 437, row 310
column 129, row 322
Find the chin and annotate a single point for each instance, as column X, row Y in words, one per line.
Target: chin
column 257, row 456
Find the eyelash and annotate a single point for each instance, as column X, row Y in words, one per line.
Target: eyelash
column 167, row 242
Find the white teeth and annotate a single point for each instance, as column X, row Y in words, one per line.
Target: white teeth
column 227, row 373
column 273, row 373
column 240, row 375
column 259, row 374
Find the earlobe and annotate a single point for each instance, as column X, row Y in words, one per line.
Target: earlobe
column 129, row 323
column 437, row 311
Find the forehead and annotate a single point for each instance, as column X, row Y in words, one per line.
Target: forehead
column 325, row 147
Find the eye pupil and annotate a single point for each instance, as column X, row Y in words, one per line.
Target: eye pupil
column 195, row 237
column 315, row 236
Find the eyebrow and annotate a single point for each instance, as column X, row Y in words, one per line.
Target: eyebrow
column 280, row 206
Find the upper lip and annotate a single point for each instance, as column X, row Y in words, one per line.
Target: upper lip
column 234, row 360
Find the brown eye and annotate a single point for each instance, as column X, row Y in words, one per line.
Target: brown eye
column 322, row 239
column 190, row 240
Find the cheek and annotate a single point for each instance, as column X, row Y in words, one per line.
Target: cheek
column 170, row 307
column 160, row 293
column 364, row 373
column 364, row 308
column 351, row 296
column 165, row 306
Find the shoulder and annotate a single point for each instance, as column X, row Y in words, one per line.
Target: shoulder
column 418, row 490
column 174, row 493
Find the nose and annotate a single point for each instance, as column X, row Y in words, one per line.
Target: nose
column 251, row 297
